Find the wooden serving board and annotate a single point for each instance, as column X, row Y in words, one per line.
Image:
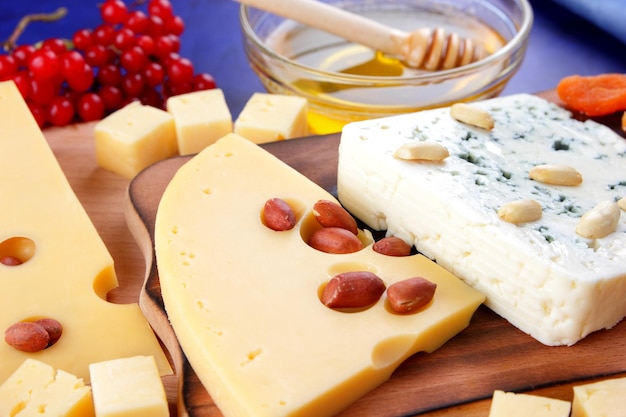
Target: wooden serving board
column 456, row 380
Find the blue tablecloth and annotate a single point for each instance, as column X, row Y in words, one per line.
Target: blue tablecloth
column 568, row 36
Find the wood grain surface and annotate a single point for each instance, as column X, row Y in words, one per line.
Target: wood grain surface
column 456, row 380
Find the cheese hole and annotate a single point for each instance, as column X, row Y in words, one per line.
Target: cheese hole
column 16, row 251
column 341, row 267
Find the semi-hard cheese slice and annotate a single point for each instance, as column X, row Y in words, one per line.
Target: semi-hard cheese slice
column 600, row 399
column 244, row 299
column 510, row 404
column 541, row 275
column 66, row 270
column 37, row 389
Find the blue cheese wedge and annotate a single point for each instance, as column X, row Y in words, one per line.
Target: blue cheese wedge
column 539, row 273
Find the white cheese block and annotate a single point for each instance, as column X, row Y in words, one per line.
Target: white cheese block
column 510, row 404
column 540, row 275
column 600, row 399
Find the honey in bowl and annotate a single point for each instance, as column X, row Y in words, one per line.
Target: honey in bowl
column 345, row 82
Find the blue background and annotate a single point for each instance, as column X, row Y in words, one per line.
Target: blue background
column 568, row 37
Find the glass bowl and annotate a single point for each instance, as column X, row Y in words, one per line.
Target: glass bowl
column 344, row 82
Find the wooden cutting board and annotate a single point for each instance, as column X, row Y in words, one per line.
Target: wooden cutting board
column 456, row 380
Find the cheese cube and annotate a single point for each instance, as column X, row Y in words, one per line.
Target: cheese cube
column 134, row 137
column 540, row 275
column 128, row 387
column 510, row 404
column 201, row 117
column 600, row 399
column 272, row 117
column 37, row 389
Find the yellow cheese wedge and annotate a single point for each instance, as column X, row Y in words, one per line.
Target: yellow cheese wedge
column 134, row 137
column 201, row 118
column 244, row 299
column 510, row 404
column 128, row 387
column 66, row 270
column 37, row 389
column 272, row 117
column 600, row 399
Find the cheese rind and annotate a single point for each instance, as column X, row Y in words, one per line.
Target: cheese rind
column 510, row 404
column 541, row 275
column 128, row 387
column 272, row 117
column 37, row 389
column 133, row 137
column 244, row 299
column 67, row 270
column 200, row 117
column 600, row 399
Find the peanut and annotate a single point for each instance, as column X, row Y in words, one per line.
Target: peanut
column 622, row 201
column 355, row 289
column 472, row 116
column 330, row 214
column 27, row 336
column 556, row 175
column 392, row 246
column 52, row 327
column 600, row 221
column 424, row 151
column 10, row 260
column 520, row 211
column 410, row 294
column 278, row 215
column 335, row 240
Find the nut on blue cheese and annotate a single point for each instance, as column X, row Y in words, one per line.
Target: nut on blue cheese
column 541, row 274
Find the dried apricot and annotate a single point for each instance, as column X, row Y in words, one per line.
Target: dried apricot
column 594, row 95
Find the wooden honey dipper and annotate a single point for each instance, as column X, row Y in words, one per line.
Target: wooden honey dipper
column 429, row 49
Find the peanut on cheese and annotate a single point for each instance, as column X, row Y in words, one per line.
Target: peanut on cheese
column 256, row 331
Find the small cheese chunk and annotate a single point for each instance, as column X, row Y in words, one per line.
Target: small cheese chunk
column 37, row 389
column 539, row 274
column 244, row 300
column 128, row 387
column 201, row 118
column 134, row 137
column 66, row 271
column 510, row 404
column 600, row 399
column 272, row 117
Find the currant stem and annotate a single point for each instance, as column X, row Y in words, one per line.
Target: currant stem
column 11, row 43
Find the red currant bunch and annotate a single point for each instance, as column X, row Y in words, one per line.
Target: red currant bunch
column 132, row 55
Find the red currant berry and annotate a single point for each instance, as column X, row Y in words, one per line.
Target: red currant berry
column 97, row 55
column 154, row 74
column 61, row 111
column 8, row 67
column 22, row 54
column 137, row 21
column 132, row 85
column 111, row 97
column 124, row 38
column 151, row 97
column 56, row 45
column 174, row 26
column 175, row 89
column 82, row 80
column 113, row 12
column 90, row 107
column 164, row 45
column 42, row 91
column 72, row 63
column 146, row 43
column 110, row 74
column 203, row 81
column 161, row 8
column 179, row 70
column 82, row 39
column 133, row 59
column 104, row 34
column 39, row 112
column 156, row 27
column 44, row 64
column 22, row 81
